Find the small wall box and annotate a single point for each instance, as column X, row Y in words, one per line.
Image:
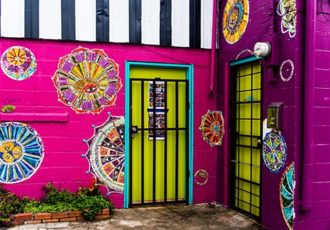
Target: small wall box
column 274, row 115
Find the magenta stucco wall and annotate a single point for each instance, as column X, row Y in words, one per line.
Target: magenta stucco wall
column 37, row 104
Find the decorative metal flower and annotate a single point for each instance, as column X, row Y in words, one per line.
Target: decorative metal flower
column 201, row 177
column 274, row 151
column 235, row 20
column 106, row 154
column 288, row 11
column 18, row 63
column 87, row 80
column 21, row 152
column 212, row 127
column 287, row 195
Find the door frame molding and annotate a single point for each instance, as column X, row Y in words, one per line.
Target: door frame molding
column 189, row 69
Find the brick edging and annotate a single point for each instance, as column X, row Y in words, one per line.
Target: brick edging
column 71, row 216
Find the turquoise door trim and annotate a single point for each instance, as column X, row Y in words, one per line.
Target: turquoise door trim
column 245, row 60
column 189, row 76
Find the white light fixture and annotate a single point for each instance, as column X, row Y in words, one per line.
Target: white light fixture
column 262, row 49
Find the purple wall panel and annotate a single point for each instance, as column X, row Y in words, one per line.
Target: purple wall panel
column 264, row 25
column 319, row 213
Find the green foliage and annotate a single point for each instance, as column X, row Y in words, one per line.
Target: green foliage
column 36, row 207
column 88, row 200
column 54, row 196
column 91, row 205
column 9, row 204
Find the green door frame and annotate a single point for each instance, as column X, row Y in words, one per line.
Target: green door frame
column 189, row 76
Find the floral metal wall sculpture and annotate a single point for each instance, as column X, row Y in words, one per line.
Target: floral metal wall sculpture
column 286, row 70
column 287, row 10
column 213, row 127
column 87, row 80
column 201, row 177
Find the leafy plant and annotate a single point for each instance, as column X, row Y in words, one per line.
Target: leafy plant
column 53, row 196
column 90, row 206
column 88, row 200
column 9, row 204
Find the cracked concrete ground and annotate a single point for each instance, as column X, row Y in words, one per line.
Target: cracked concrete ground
column 166, row 217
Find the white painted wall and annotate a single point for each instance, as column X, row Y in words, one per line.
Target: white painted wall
column 85, row 13
column 12, row 18
column 50, row 19
column 180, row 23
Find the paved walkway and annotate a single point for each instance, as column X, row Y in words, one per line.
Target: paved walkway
column 168, row 217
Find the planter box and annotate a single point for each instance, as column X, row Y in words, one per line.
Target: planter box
column 71, row 216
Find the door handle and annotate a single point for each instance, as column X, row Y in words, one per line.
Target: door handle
column 259, row 142
column 134, row 129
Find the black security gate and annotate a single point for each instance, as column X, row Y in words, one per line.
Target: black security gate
column 159, row 141
column 246, row 138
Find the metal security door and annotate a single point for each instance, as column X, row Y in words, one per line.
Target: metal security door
column 159, row 143
column 246, row 141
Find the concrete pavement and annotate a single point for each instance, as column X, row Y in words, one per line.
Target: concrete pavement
column 193, row 217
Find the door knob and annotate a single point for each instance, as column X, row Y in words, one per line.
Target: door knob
column 259, row 142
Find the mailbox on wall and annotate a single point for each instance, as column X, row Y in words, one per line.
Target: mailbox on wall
column 274, row 115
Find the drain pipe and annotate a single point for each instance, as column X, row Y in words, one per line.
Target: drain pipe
column 213, row 47
column 308, row 109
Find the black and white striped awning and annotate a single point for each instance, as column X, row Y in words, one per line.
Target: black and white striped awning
column 179, row 23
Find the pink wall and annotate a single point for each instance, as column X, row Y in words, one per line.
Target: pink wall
column 63, row 164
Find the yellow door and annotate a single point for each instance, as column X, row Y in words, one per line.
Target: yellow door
column 246, row 151
column 159, row 125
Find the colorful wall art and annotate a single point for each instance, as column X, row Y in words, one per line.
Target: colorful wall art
column 287, row 10
column 287, row 195
column 21, row 152
column 106, row 154
column 201, row 177
column 18, row 63
column 213, row 127
column 235, row 20
column 274, row 151
column 87, row 80
column 286, row 70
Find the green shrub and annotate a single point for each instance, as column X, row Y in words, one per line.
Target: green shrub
column 87, row 200
column 53, row 196
column 90, row 206
column 9, row 204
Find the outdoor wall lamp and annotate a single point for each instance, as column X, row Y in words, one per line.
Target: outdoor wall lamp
column 262, row 49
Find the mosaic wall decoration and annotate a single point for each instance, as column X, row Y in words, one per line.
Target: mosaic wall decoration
column 286, row 70
column 18, row 63
column 201, row 177
column 213, row 127
column 274, row 151
column 87, row 80
column 21, row 152
column 287, row 195
column 156, row 102
column 287, row 10
column 106, row 154
column 235, row 20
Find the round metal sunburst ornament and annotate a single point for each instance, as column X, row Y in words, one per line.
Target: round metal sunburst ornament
column 212, row 127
